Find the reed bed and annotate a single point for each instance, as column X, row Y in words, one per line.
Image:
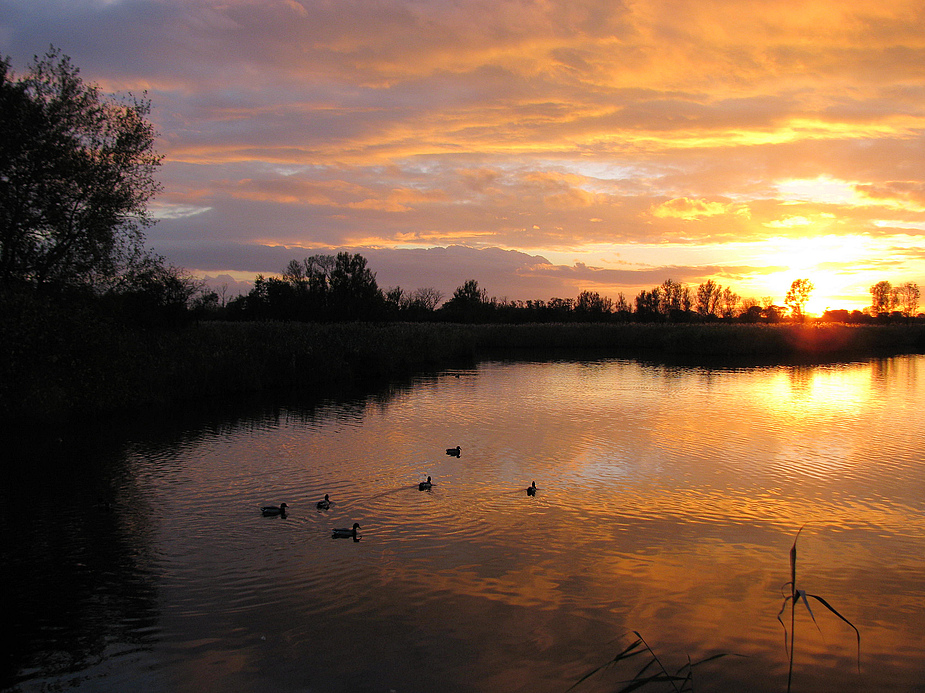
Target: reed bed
column 58, row 363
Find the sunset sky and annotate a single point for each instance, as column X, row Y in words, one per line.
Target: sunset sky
column 541, row 148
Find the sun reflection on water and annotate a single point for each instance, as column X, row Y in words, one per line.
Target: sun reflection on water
column 668, row 500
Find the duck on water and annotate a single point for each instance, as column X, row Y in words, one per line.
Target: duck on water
column 344, row 532
column 274, row 510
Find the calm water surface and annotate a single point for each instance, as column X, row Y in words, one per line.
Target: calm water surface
column 137, row 559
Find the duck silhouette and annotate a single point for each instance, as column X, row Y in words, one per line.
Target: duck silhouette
column 324, row 503
column 425, row 485
column 531, row 489
column 454, row 452
column 273, row 510
column 344, row 532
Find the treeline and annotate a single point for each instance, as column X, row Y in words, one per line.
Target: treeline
column 342, row 288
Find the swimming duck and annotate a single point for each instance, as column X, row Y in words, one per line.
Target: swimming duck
column 271, row 510
column 425, row 485
column 455, row 452
column 344, row 532
column 323, row 504
column 531, row 489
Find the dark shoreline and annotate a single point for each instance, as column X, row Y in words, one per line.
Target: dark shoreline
column 90, row 369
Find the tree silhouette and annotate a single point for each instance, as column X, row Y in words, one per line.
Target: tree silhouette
column 908, row 298
column 729, row 302
column 354, row 292
column 425, row 298
column 592, row 306
column 468, row 304
column 709, row 295
column 76, row 174
column 798, row 297
column 881, row 298
column 648, row 305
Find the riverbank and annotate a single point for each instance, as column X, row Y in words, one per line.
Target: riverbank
column 50, row 368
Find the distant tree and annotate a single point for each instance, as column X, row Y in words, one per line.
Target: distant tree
column 908, row 299
column 296, row 274
column 882, row 299
column 840, row 315
column 150, row 291
column 649, row 305
column 468, row 304
column 318, row 269
column 590, row 305
column 311, row 295
column 773, row 313
column 751, row 313
column 561, row 307
column 729, row 303
column 395, row 299
column 675, row 300
column 354, row 292
column 207, row 304
column 425, row 298
column 621, row 305
column 76, row 174
column 798, row 297
column 709, row 295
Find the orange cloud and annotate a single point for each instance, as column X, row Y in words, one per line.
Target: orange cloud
column 558, row 127
column 686, row 208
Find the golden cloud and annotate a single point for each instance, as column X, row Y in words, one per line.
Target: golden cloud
column 690, row 209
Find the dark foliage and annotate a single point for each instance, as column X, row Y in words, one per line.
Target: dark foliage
column 76, row 173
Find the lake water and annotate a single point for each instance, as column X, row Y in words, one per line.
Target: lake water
column 135, row 556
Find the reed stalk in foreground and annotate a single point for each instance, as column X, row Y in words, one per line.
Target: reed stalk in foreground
column 653, row 671
column 795, row 596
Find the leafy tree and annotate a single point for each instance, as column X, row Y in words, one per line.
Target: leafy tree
column 76, row 174
column 621, row 306
column 152, row 291
column 908, row 298
column 354, row 292
column 469, row 302
column 648, row 304
column 798, row 297
column 729, row 303
column 591, row 305
column 675, row 299
column 709, row 295
column 882, row 298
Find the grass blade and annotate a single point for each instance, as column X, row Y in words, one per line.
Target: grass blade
column 630, row 650
column 834, row 611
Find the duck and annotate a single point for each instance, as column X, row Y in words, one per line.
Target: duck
column 323, row 504
column 455, row 452
column 271, row 510
column 344, row 532
column 425, row 485
column 531, row 489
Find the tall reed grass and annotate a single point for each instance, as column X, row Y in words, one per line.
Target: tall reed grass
column 793, row 598
column 60, row 361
